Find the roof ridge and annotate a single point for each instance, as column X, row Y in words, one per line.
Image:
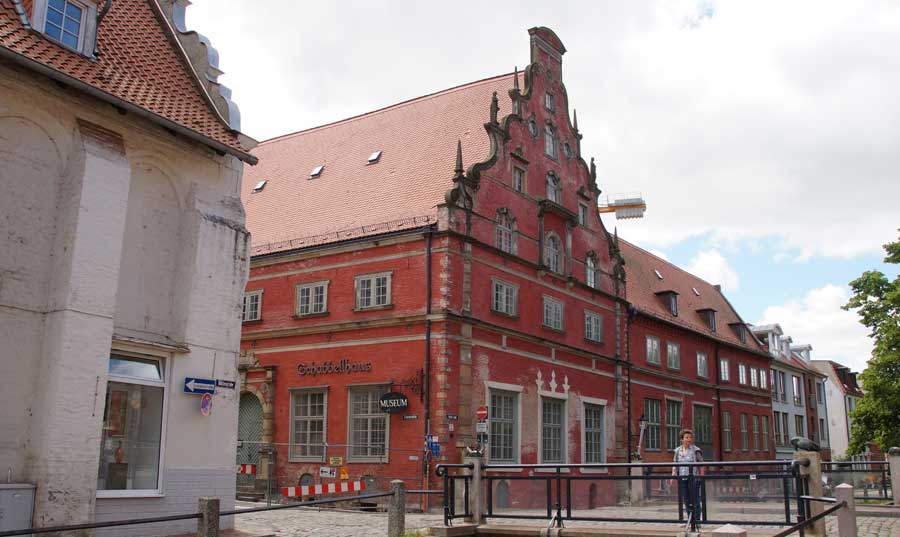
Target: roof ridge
column 385, row 108
column 671, row 264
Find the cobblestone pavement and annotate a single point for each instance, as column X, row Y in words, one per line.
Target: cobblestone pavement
column 302, row 522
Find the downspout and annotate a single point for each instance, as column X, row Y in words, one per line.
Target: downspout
column 427, row 380
column 629, row 317
column 719, row 404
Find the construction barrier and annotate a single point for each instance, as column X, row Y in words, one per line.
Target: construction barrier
column 327, row 488
column 246, row 468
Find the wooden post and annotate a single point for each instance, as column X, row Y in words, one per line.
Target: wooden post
column 208, row 523
column 397, row 509
column 846, row 516
column 813, row 474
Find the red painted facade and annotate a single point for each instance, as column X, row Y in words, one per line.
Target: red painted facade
column 472, row 289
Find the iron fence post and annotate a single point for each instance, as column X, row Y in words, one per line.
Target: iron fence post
column 786, row 492
column 692, row 498
column 559, row 523
column 884, row 494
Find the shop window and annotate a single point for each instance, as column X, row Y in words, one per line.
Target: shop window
column 553, row 445
column 368, row 424
column 133, row 425
column 308, row 411
column 503, row 414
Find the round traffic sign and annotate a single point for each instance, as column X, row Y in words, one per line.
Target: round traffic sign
column 481, row 413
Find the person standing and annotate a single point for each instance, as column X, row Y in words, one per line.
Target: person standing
column 688, row 452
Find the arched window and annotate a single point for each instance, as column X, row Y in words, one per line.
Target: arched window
column 554, row 191
column 550, row 142
column 505, row 231
column 590, row 270
column 553, row 253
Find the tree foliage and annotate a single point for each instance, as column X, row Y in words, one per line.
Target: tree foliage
column 877, row 301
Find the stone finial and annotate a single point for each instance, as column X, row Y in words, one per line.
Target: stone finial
column 495, row 108
column 516, row 78
column 459, row 171
column 575, row 119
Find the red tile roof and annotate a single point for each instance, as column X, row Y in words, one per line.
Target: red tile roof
column 352, row 198
column 642, row 284
column 137, row 63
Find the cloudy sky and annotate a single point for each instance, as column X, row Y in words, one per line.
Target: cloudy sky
column 765, row 136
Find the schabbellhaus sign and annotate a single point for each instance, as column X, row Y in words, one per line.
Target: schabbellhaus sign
column 332, row 368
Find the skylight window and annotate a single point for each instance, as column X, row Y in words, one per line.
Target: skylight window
column 696, row 292
column 260, row 185
column 375, row 157
column 658, row 274
column 317, row 171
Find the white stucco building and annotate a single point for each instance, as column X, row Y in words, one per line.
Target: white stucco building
column 842, row 393
column 123, row 257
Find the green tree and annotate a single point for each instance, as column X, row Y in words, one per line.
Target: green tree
column 877, row 301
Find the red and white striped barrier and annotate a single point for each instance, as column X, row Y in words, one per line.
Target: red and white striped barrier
column 327, row 488
column 246, row 468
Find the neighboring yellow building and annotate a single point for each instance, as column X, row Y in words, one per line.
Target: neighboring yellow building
column 123, row 258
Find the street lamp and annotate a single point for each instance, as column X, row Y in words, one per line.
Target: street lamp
column 642, row 423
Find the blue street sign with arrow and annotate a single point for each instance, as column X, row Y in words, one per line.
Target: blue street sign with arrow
column 199, row 386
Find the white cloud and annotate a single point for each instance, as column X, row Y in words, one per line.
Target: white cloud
column 818, row 319
column 714, row 268
column 659, row 253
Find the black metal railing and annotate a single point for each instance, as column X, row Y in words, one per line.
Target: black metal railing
column 873, row 478
column 187, row 516
column 554, row 483
column 801, row 526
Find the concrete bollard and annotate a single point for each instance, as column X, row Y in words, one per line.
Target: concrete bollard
column 637, row 486
column 813, row 474
column 894, row 463
column 846, row 516
column 397, row 509
column 729, row 531
column 476, row 488
column 208, row 523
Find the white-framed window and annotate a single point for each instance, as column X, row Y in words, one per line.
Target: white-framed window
column 702, row 365
column 742, row 374
column 71, row 23
column 553, row 254
column 553, row 313
column 776, row 421
column 549, row 102
column 745, row 440
column 763, row 379
column 553, row 430
column 373, row 290
column 765, row 433
column 518, row 179
column 651, row 433
column 505, row 298
column 312, row 298
column 550, row 145
column 673, row 424
column 653, row 350
column 368, row 425
column 798, row 425
column 724, row 372
column 784, row 428
column 798, row 390
column 594, row 443
column 582, row 214
column 554, row 189
column 505, row 232
column 309, row 408
column 755, row 432
column 252, row 305
column 504, row 414
column 673, row 355
column 726, row 429
column 134, row 418
column 754, row 378
column 593, row 326
column 590, row 271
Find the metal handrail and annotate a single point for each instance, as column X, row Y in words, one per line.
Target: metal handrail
column 705, row 464
column 186, row 516
column 799, row 526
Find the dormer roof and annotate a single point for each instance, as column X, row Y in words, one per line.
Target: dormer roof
column 140, row 68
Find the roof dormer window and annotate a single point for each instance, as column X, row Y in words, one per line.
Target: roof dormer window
column 670, row 298
column 68, row 22
column 709, row 316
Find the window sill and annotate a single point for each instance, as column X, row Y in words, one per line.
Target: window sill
column 557, row 330
column 595, row 470
column 254, row 321
column 320, row 460
column 670, row 368
column 654, row 364
column 374, row 308
column 504, row 314
column 298, row 316
column 594, row 341
column 367, row 460
column 118, row 494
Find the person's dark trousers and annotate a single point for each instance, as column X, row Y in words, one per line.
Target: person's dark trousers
column 691, row 498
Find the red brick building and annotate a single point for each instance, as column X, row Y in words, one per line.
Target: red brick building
column 693, row 363
column 382, row 264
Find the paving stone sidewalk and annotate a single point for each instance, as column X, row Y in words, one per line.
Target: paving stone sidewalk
column 323, row 522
